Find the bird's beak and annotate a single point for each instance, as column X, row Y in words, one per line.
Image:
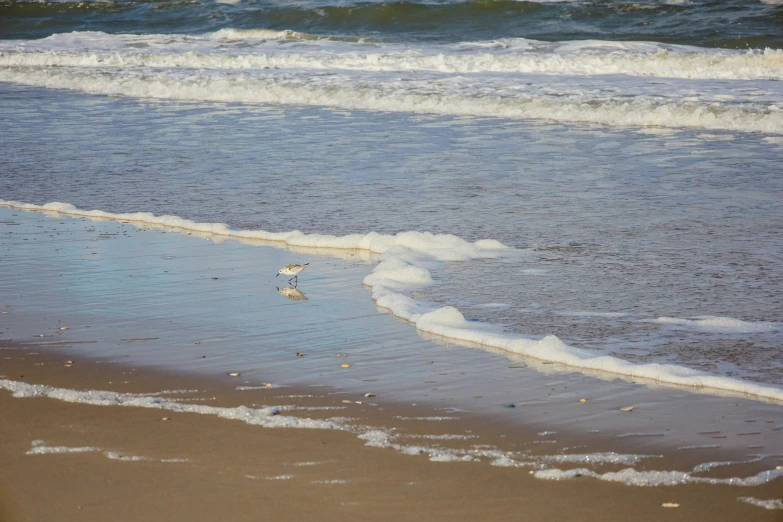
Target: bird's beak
column 277, row 274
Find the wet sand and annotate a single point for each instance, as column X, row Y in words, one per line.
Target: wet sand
column 206, row 468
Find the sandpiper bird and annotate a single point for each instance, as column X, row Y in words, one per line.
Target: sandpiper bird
column 292, row 270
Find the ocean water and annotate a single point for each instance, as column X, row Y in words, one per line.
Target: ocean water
column 601, row 179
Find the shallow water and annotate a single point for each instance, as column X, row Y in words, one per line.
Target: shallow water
column 135, row 296
column 619, row 228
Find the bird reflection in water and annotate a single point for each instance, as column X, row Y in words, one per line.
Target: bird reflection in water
column 291, row 293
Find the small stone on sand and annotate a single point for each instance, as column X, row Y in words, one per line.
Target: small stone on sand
column 670, row 505
column 345, row 366
column 627, row 408
column 582, row 400
column 234, row 374
column 369, row 395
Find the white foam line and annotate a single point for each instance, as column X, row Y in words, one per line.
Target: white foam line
column 266, row 417
column 49, row 450
column 39, row 448
column 443, row 437
column 373, row 94
column 280, row 477
column 598, row 458
column 707, row 466
column 632, row 477
column 374, row 437
column 766, row 504
column 716, row 324
column 405, row 263
column 440, row 247
column 113, row 455
column 427, row 418
column 591, row 57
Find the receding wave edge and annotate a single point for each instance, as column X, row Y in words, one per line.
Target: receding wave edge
column 405, row 262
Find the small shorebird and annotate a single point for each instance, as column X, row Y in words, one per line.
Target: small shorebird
column 292, row 270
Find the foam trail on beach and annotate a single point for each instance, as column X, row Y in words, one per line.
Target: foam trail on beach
column 374, row 437
column 632, row 477
column 405, row 264
column 766, row 504
column 267, row 416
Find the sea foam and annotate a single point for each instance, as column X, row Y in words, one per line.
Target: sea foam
column 632, row 477
column 710, row 323
column 586, row 81
column 258, row 48
column 381, row 438
column 405, row 263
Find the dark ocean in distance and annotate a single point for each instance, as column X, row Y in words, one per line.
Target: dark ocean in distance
column 732, row 24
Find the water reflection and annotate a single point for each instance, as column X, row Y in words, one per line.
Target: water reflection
column 291, row 293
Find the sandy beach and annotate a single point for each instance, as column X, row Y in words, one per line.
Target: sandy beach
column 146, row 464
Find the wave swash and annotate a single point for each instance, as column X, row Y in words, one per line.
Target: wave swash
column 405, row 263
column 634, row 84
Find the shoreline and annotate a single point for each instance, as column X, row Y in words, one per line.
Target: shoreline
column 170, row 302
column 154, row 325
column 137, row 448
column 405, row 268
